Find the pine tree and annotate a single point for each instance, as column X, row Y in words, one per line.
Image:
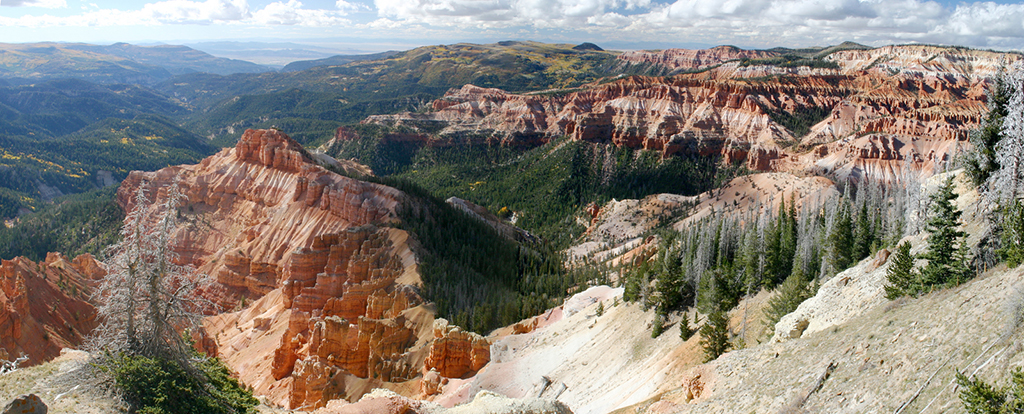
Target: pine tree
column 780, row 246
column 864, row 236
column 1012, row 249
column 981, row 162
column 840, row 239
column 945, row 258
column 685, row 330
column 789, row 296
column 900, row 277
column 146, row 297
column 658, row 326
column 714, row 335
column 979, row 397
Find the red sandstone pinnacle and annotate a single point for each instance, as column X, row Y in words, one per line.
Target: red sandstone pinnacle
column 456, row 353
column 271, row 148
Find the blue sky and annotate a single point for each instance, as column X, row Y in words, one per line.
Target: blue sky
column 640, row 23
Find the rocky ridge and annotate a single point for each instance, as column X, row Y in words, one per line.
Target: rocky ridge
column 684, row 60
column 875, row 116
column 326, row 296
column 45, row 306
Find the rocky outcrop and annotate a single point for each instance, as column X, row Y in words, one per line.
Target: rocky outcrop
column 456, row 353
column 325, row 296
column 45, row 306
column 381, row 401
column 683, row 60
column 25, row 404
column 925, row 60
column 906, row 93
column 252, row 207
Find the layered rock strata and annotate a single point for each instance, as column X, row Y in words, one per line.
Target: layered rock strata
column 682, row 60
column 324, row 293
column 250, row 208
column 45, row 306
column 925, row 106
column 456, row 353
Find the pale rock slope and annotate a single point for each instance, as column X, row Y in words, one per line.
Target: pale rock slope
column 850, row 350
column 591, row 363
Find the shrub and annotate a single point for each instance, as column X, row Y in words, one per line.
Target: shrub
column 981, row 398
column 160, row 386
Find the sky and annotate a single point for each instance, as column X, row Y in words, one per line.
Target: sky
column 630, row 23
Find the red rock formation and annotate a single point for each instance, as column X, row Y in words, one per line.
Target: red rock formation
column 274, row 226
column 676, row 60
column 455, row 353
column 45, row 306
column 254, row 206
column 715, row 113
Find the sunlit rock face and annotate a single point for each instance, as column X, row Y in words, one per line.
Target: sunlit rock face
column 911, row 104
column 46, row 306
column 319, row 297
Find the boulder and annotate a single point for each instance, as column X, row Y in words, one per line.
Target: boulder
column 25, row 404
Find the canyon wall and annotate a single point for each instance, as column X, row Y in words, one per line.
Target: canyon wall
column 320, row 296
column 45, row 306
column 915, row 105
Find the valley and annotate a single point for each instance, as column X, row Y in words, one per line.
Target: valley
column 523, row 226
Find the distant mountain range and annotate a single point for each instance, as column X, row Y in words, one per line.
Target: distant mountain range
column 27, row 63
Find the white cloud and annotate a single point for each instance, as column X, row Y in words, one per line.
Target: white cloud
column 49, row 4
column 506, row 13
column 763, row 23
column 750, row 22
column 206, row 12
column 346, row 6
column 194, row 12
column 292, row 13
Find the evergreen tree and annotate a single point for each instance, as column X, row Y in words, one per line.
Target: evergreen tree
column 840, row 239
column 900, row 277
column 789, row 295
column 714, row 335
column 864, row 238
column 658, row 326
column 979, row 397
column 945, row 257
column 685, row 330
column 780, row 246
column 981, row 162
column 1012, row 249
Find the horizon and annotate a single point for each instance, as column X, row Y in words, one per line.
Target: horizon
column 379, row 25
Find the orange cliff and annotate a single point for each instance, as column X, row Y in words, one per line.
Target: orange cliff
column 45, row 306
column 729, row 111
column 321, row 294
